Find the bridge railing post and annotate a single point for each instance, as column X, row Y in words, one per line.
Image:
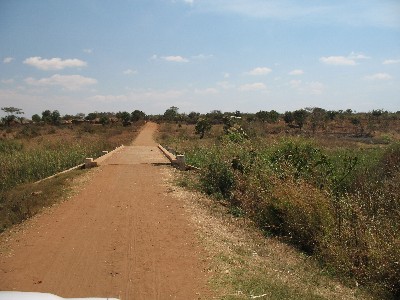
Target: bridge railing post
column 181, row 162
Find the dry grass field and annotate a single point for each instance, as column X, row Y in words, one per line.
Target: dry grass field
column 333, row 192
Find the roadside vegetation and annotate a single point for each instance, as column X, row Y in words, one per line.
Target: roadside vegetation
column 31, row 151
column 325, row 182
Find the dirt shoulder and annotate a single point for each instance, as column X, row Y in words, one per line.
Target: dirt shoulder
column 124, row 235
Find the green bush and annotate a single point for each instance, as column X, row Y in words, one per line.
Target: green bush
column 217, row 179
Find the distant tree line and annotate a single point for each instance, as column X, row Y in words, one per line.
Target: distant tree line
column 315, row 118
column 55, row 118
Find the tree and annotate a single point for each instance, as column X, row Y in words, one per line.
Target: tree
column 193, row 117
column 137, row 115
column 378, row 113
column 300, row 117
column 104, row 120
column 357, row 123
column 215, row 116
column 273, row 116
column 68, row 117
column 46, row 116
column 270, row 117
column 250, row 118
column 55, row 117
column 91, row 116
column 11, row 114
column 123, row 116
column 36, row 118
column 318, row 117
column 262, row 115
column 80, row 116
column 331, row 114
column 12, row 110
column 202, row 127
column 171, row 114
column 288, row 117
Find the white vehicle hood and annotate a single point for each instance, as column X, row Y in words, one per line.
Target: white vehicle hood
column 40, row 296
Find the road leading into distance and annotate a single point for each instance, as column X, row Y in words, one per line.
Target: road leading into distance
column 123, row 235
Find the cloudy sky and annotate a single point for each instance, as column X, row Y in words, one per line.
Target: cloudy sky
column 199, row 55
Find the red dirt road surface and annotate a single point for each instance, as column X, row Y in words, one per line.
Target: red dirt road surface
column 122, row 236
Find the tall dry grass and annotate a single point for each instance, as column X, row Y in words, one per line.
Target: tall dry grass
column 340, row 205
column 32, row 153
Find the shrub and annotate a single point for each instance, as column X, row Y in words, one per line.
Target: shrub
column 305, row 213
column 217, row 179
column 302, row 160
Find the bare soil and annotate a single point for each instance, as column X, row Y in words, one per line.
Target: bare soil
column 123, row 235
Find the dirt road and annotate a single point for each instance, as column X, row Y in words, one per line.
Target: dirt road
column 124, row 235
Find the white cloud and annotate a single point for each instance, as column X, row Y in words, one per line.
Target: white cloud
column 88, row 51
column 142, row 96
column 7, row 81
column 391, row 61
column 349, row 60
column 364, row 13
column 315, row 88
column 7, row 60
column 295, row 83
column 296, row 72
column 259, row 71
column 227, row 75
column 190, row 2
column 354, row 55
column 53, row 63
column 109, row 98
column 176, row 58
column 226, row 85
column 283, row 10
column 130, row 72
column 69, row 82
column 257, row 86
column 337, row 61
column 203, row 56
column 378, row 76
column 206, row 91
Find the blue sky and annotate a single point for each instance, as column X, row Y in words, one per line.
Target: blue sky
column 199, row 55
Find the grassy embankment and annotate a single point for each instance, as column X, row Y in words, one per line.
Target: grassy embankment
column 31, row 153
column 334, row 200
